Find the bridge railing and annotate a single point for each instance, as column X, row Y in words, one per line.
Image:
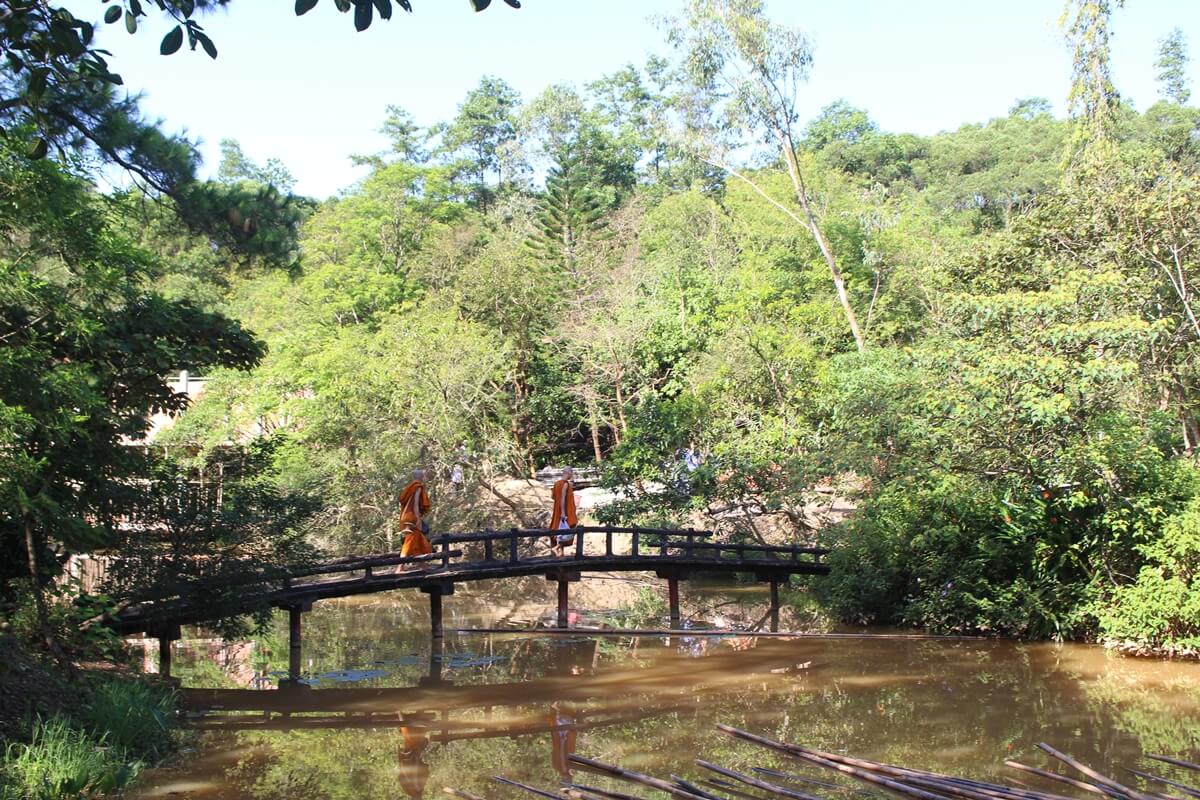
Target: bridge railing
column 513, row 537
column 368, row 563
column 664, row 542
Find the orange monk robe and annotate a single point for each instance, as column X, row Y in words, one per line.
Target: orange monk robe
column 562, row 738
column 564, row 505
column 414, row 504
column 414, row 772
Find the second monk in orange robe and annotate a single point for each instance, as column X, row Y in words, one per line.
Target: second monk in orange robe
column 563, row 517
column 414, row 504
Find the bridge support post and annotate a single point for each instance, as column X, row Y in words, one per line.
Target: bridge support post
column 673, row 576
column 564, row 578
column 166, row 636
column 296, row 639
column 774, row 606
column 673, row 600
column 435, row 592
column 562, row 603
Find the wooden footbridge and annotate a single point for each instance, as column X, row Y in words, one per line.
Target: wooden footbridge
column 672, row 554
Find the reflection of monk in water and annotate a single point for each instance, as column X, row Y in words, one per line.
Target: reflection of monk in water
column 575, row 658
column 562, row 738
column 413, row 771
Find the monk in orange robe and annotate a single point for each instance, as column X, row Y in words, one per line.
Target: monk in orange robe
column 563, row 721
column 563, row 517
column 414, row 505
column 414, row 773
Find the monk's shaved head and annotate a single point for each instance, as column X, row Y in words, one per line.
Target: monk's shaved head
column 568, row 472
column 418, row 474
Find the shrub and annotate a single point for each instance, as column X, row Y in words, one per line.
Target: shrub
column 1160, row 610
column 61, row 761
column 132, row 716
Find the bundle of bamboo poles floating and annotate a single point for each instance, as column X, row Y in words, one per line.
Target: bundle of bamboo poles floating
column 727, row 784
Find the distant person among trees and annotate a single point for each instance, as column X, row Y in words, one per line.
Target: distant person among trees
column 414, row 505
column 563, row 517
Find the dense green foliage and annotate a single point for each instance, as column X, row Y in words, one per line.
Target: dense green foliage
column 985, row 339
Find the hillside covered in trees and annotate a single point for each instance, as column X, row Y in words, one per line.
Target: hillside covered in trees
column 987, row 338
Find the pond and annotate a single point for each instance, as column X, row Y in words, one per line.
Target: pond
column 382, row 713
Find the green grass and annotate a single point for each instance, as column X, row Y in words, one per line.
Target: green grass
column 131, row 716
column 62, row 761
column 98, row 750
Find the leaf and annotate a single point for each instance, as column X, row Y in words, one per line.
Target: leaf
column 37, row 150
column 130, row 22
column 188, row 7
column 480, row 5
column 172, row 41
column 514, row 3
column 363, row 12
column 37, row 83
column 112, row 15
column 207, row 44
column 304, row 6
column 384, row 7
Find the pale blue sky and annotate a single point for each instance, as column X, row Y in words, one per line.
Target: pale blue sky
column 311, row 91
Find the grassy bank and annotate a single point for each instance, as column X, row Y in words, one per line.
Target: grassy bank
column 82, row 735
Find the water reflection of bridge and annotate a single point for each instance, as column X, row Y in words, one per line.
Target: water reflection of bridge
column 672, row 555
column 451, row 711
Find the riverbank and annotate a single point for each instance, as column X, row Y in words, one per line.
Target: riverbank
column 81, row 734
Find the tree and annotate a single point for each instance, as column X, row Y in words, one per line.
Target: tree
column 732, row 51
column 236, row 166
column 570, row 213
column 1172, row 64
column 85, row 346
column 484, row 135
column 1093, row 100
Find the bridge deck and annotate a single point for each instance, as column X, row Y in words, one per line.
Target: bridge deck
column 672, row 554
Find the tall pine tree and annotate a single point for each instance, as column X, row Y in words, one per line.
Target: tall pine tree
column 570, row 215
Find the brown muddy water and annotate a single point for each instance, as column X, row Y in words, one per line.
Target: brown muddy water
column 384, row 715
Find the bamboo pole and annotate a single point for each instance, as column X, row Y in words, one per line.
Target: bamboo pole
column 787, row 776
column 526, row 787
column 913, row 779
column 460, row 794
column 1054, row 776
column 728, row 788
column 634, row 777
column 1093, row 774
column 1183, row 787
column 755, row 782
column 1176, row 762
column 606, row 793
column 686, row 785
column 863, row 775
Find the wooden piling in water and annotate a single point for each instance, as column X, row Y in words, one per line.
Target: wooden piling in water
column 774, row 606
column 435, row 592
column 562, row 602
column 166, row 635
column 435, row 613
column 673, row 600
column 164, row 656
column 294, row 642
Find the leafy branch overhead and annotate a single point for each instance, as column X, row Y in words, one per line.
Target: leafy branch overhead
column 364, row 10
column 48, row 52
